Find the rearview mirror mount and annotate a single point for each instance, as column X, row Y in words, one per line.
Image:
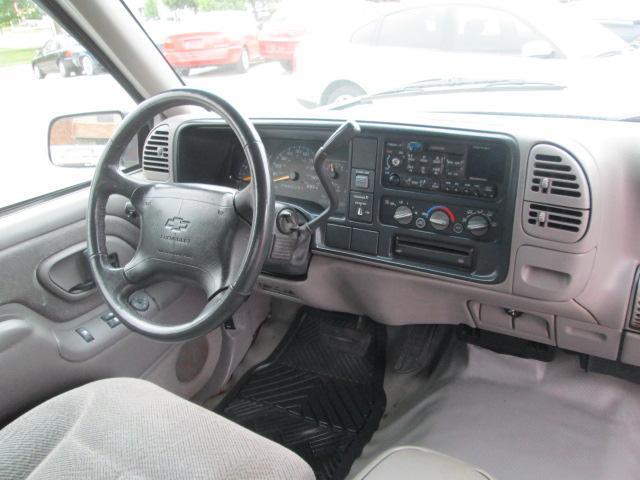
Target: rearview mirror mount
column 78, row 140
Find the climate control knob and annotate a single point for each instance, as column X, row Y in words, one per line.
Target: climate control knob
column 478, row 225
column 403, row 215
column 439, row 220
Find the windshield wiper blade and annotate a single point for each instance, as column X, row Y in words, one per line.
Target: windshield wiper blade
column 436, row 86
column 610, row 53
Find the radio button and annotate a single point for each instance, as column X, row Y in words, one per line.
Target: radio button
column 394, row 180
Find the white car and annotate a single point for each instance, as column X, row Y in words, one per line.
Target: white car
column 447, row 38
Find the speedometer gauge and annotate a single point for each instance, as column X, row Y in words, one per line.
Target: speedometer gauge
column 294, row 175
column 293, row 172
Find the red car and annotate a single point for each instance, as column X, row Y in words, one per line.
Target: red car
column 279, row 41
column 219, row 38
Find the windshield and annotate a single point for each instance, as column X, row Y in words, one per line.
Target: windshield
column 301, row 58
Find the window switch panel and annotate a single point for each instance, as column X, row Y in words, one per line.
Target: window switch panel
column 85, row 334
column 113, row 322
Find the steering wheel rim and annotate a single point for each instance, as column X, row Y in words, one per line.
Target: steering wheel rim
column 213, row 210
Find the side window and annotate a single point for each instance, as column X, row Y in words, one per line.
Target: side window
column 414, row 28
column 485, row 30
column 44, row 74
column 365, row 35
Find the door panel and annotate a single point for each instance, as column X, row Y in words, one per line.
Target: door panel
column 67, row 275
column 41, row 352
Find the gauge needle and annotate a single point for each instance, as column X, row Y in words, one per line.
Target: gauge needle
column 283, row 178
column 277, row 179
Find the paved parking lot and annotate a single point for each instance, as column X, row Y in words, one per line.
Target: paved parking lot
column 29, row 104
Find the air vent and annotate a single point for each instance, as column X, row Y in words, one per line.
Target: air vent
column 634, row 307
column 566, row 225
column 556, row 178
column 156, row 153
column 557, row 200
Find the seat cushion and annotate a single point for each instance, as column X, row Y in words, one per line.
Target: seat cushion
column 417, row 463
column 132, row 429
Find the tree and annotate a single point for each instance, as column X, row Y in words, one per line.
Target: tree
column 13, row 11
column 8, row 13
column 178, row 4
column 151, row 9
column 208, row 5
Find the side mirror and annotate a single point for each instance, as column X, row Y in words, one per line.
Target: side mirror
column 78, row 140
column 538, row 49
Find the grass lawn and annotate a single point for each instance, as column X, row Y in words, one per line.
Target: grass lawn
column 13, row 56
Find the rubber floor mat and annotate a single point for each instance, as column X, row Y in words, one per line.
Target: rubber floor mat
column 320, row 393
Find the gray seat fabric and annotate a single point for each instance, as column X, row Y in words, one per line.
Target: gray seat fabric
column 133, row 429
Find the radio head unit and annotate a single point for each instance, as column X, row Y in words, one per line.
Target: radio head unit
column 467, row 169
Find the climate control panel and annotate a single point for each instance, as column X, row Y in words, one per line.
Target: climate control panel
column 455, row 220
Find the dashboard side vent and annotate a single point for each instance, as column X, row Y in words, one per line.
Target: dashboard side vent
column 565, row 225
column 634, row 307
column 557, row 198
column 555, row 177
column 156, row 154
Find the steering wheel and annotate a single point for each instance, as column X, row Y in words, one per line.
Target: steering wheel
column 212, row 236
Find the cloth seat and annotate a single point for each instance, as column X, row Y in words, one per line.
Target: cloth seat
column 132, row 429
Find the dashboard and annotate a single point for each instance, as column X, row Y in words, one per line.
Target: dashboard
column 501, row 224
column 440, row 203
column 205, row 154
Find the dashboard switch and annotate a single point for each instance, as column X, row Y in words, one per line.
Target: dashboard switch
column 362, row 181
column 361, row 207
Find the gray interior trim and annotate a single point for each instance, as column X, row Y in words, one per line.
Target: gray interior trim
column 514, row 418
column 417, row 463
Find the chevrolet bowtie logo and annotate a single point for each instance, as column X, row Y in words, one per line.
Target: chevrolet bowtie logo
column 177, row 224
